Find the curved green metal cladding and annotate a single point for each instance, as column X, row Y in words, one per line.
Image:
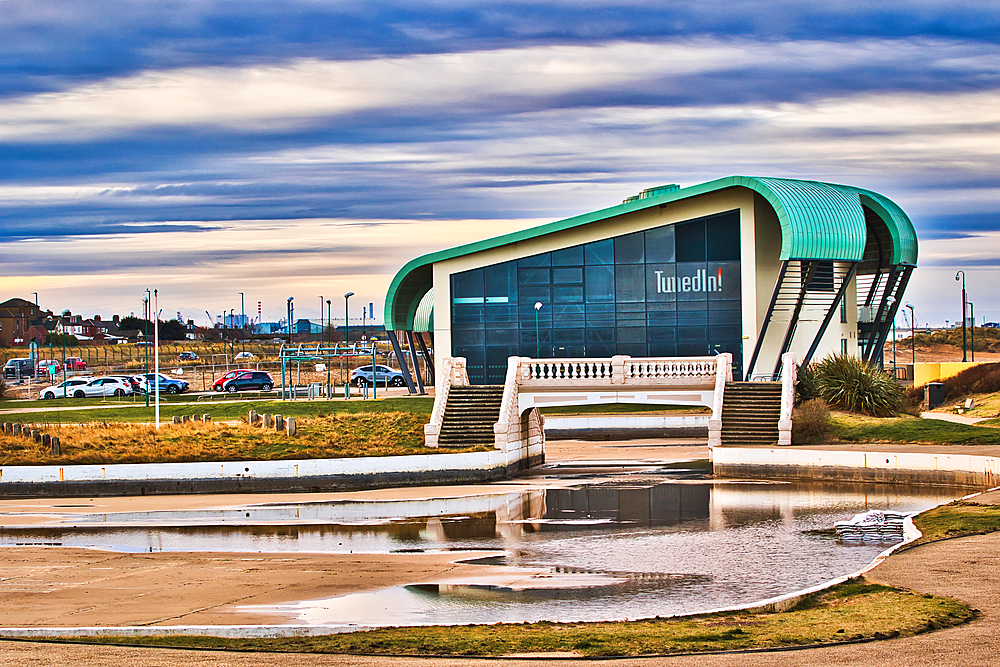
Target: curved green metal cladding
column 818, row 221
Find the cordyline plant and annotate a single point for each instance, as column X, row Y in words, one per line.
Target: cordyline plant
column 855, row 385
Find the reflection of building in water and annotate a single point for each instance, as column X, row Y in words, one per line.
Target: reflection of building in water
column 656, row 505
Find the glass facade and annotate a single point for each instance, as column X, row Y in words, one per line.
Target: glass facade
column 669, row 291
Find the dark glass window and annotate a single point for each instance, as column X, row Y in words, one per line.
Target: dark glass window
column 673, row 290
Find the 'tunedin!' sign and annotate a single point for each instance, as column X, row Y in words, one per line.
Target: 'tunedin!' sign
column 700, row 282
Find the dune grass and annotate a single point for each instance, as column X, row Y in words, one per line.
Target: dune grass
column 912, row 430
column 856, row 610
column 341, row 435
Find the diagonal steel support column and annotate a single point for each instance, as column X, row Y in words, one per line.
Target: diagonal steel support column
column 834, row 308
column 416, row 362
column 890, row 286
column 767, row 320
column 427, row 358
column 402, row 362
column 793, row 323
column 890, row 320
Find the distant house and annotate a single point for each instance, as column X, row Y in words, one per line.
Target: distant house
column 20, row 321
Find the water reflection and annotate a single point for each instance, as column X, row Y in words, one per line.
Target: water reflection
column 613, row 547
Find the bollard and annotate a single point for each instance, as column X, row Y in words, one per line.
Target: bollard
column 55, row 450
column 266, row 421
column 25, row 431
column 252, row 417
column 290, row 427
column 206, row 418
column 36, row 436
column 195, row 418
column 46, row 440
column 177, row 419
column 279, row 423
column 6, row 428
column 184, row 419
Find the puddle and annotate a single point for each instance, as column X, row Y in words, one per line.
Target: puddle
column 602, row 547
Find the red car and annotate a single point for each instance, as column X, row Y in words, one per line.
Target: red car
column 75, row 364
column 217, row 385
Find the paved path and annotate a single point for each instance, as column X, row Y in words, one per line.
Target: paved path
column 953, row 418
column 967, row 568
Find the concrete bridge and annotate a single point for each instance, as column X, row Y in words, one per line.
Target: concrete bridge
column 507, row 416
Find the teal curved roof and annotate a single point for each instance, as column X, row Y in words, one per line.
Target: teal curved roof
column 818, row 221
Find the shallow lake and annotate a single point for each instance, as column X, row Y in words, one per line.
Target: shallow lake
column 614, row 545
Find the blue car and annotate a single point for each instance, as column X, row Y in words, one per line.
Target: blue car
column 166, row 384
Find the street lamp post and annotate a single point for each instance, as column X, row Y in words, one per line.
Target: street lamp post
column 347, row 318
column 329, row 324
column 972, row 329
column 538, row 353
column 289, row 305
column 321, row 330
column 913, row 339
column 964, row 355
column 243, row 319
column 146, row 306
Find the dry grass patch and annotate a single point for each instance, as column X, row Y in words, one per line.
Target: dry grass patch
column 334, row 436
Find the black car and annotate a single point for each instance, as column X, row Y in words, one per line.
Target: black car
column 258, row 380
column 19, row 368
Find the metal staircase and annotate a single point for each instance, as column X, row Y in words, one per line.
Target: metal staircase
column 469, row 416
column 750, row 413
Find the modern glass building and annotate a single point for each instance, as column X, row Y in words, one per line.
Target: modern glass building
column 755, row 267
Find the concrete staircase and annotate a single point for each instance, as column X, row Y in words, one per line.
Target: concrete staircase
column 750, row 413
column 469, row 416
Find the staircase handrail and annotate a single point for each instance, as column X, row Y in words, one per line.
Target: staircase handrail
column 789, row 371
column 723, row 374
column 454, row 373
column 620, row 369
column 508, row 405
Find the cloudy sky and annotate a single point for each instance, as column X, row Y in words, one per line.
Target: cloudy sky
column 306, row 147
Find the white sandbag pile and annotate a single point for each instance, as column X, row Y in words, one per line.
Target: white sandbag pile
column 874, row 526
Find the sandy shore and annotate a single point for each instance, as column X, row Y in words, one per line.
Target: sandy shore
column 55, row 586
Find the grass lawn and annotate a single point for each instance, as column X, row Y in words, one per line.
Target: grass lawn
column 852, row 428
column 339, row 435
column 419, row 405
column 855, row 610
column 956, row 519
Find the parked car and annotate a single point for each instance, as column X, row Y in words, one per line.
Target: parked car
column 187, row 356
column 107, row 386
column 166, row 384
column 217, row 385
column 132, row 382
column 47, row 367
column 19, row 368
column 65, row 389
column 364, row 377
column 75, row 364
column 244, row 380
column 244, row 356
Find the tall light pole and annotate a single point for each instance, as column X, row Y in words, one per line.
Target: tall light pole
column 156, row 353
column 147, row 306
column 538, row 353
column 972, row 329
column 913, row 339
column 329, row 325
column 964, row 355
column 289, row 304
column 321, row 330
column 347, row 318
column 243, row 325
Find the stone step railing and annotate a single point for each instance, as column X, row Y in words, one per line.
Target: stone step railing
column 618, row 370
column 453, row 374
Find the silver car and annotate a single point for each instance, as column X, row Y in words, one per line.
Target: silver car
column 364, row 377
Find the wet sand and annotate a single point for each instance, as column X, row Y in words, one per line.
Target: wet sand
column 55, row 586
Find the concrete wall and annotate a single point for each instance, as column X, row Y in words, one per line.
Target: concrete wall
column 911, row 468
column 257, row 476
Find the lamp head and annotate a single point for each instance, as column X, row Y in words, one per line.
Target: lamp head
column 290, row 299
column 349, row 294
column 538, row 305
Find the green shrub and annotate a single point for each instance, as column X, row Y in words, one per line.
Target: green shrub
column 811, row 423
column 854, row 385
column 806, row 387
